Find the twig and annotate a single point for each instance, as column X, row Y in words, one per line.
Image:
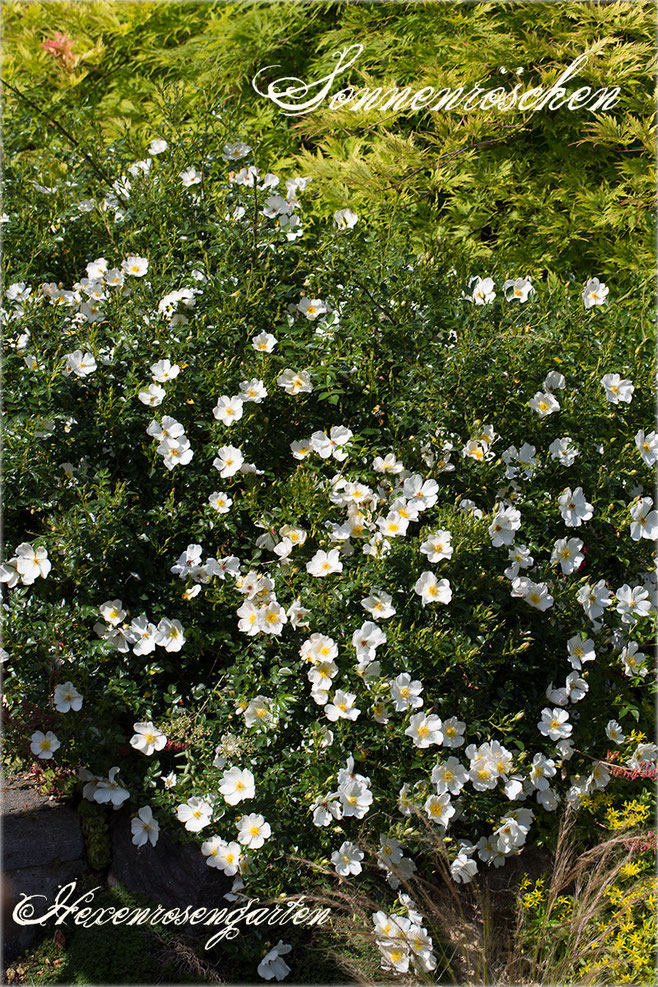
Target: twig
column 374, row 301
column 58, row 126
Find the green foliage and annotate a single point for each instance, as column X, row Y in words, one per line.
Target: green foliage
column 411, row 367
column 562, row 187
column 96, row 832
column 401, row 357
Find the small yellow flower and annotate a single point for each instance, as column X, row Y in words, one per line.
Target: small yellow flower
column 629, row 870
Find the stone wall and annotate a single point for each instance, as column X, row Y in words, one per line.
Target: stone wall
column 44, row 848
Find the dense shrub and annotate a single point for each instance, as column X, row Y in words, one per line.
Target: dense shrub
column 371, row 423
column 390, row 426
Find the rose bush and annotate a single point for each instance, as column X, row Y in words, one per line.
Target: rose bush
column 313, row 540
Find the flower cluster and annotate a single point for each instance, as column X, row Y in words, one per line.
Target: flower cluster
column 173, row 444
column 352, row 798
column 403, row 941
column 104, row 791
column 140, row 634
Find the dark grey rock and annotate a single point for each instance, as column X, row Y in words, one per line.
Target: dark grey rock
column 42, row 850
column 41, row 836
column 43, row 880
column 20, row 795
column 170, row 873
